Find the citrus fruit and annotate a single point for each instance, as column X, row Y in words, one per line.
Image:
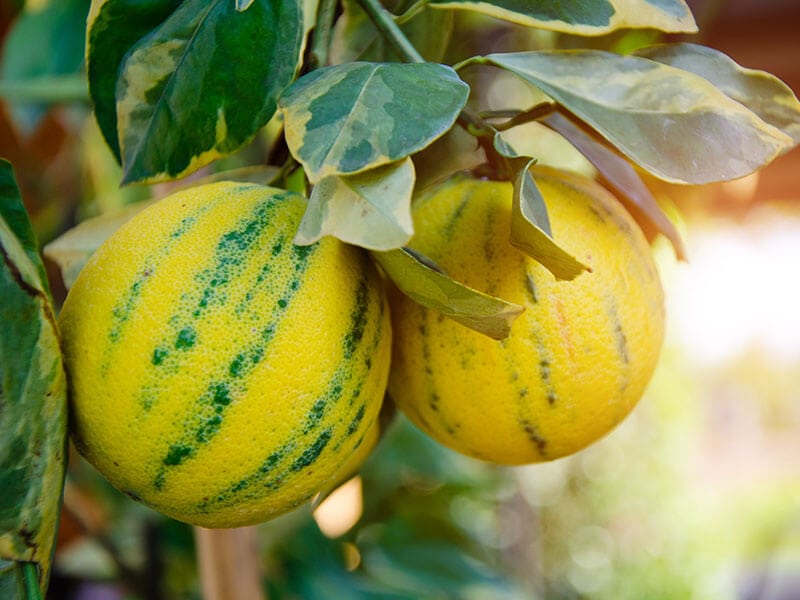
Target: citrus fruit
column 221, row 374
column 578, row 358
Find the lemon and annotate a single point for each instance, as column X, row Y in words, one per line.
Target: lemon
column 576, row 361
column 219, row 373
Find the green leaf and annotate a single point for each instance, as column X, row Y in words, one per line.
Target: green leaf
column 349, row 118
column 763, row 93
column 46, row 41
column 33, row 391
column 433, row 289
column 203, row 83
column 371, row 209
column 113, row 27
column 622, row 178
column 582, row 17
column 12, row 211
column 674, row 124
column 356, row 38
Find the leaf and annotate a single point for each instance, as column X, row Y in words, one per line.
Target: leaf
column 33, row 390
column 46, row 41
column 579, row 17
column 349, row 118
column 203, row 83
column 13, row 213
column 622, row 178
column 530, row 229
column 113, row 27
column 674, row 124
column 433, row 289
column 530, row 224
column 763, row 93
column 356, row 38
column 371, row 209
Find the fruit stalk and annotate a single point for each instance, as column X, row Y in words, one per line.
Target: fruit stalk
column 228, row 564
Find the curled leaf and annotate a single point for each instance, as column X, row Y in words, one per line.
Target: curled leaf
column 530, row 229
column 622, row 177
column 433, row 289
column 371, row 209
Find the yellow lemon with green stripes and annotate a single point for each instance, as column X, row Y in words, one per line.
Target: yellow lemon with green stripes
column 578, row 358
column 219, row 373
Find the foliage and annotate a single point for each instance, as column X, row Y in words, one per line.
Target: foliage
column 346, row 103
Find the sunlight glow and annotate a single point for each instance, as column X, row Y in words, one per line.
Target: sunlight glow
column 740, row 290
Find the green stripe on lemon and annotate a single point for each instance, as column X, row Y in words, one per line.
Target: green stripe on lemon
column 577, row 360
column 244, row 370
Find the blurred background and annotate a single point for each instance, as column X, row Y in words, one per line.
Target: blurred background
column 695, row 496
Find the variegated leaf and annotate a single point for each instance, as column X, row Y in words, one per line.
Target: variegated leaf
column 355, row 37
column 112, row 28
column 622, row 178
column 433, row 289
column 203, row 83
column 673, row 123
column 761, row 92
column 371, row 209
column 33, row 418
column 584, row 17
column 349, row 118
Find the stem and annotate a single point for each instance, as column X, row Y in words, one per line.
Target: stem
column 31, row 579
column 533, row 114
column 384, row 21
column 228, row 564
column 468, row 119
column 322, row 34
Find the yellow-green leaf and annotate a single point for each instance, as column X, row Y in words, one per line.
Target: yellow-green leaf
column 434, row 289
column 673, row 123
column 530, row 229
column 349, row 118
column 584, row 17
column 371, row 209
column 33, row 413
column 763, row 93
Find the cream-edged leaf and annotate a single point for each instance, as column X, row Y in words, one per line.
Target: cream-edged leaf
column 371, row 209
column 582, row 17
column 203, row 83
column 33, row 395
column 673, row 123
column 349, row 118
column 761, row 92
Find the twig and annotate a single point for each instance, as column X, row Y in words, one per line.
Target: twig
column 228, row 564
